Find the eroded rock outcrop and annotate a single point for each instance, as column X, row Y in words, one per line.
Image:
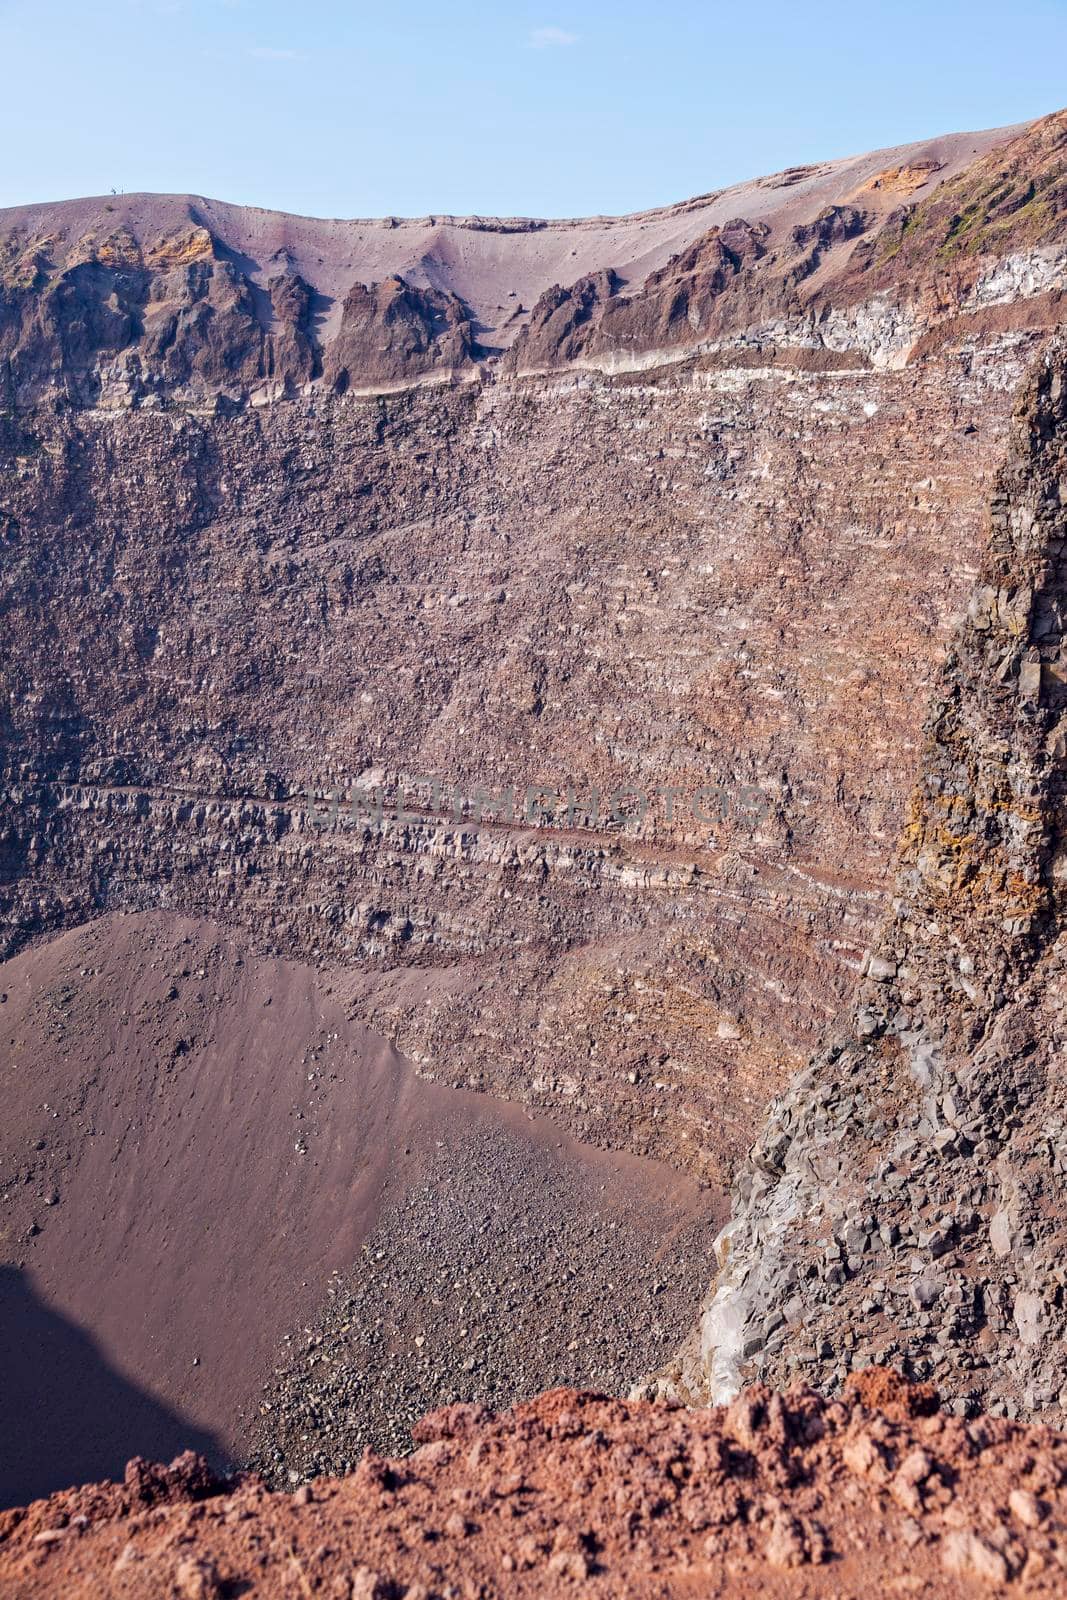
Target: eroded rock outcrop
column 109, row 321
column 119, row 304
column 394, row 332
column 856, row 276
column 907, row 1200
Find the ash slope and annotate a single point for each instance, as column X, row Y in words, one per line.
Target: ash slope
column 202, row 1158
column 779, row 1496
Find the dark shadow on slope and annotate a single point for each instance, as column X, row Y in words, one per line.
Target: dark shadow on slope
column 66, row 1416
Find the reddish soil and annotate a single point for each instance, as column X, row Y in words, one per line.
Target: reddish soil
column 576, row 1494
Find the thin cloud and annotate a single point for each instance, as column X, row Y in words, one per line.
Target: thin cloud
column 551, row 38
column 263, row 52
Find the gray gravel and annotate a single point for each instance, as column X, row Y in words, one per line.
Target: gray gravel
column 502, row 1272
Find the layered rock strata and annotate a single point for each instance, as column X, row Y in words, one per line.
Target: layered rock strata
column 704, row 549
column 586, row 589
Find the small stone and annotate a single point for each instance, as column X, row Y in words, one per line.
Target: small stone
column 1027, row 1508
column 369, row 1585
column 786, row 1546
column 1001, row 1234
column 965, row 1554
column 1028, row 1312
column 197, row 1580
column 569, row 1564
column 864, row 1456
column 867, row 1023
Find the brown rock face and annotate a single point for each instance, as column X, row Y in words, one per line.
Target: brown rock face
column 393, row 332
column 153, row 299
column 176, row 318
column 574, row 1494
column 906, row 1200
column 721, row 590
column 601, row 588
column 1013, row 198
column 558, row 327
column 818, row 281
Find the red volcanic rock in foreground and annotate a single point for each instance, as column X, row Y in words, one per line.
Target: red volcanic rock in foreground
column 875, row 1494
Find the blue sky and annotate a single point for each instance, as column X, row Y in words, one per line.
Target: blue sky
column 554, row 107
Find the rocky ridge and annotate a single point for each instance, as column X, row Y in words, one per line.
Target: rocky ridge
column 124, row 304
column 905, row 1201
column 778, row 1495
column 851, row 278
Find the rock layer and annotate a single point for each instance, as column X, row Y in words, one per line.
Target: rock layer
column 141, row 299
column 853, row 276
column 577, row 588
